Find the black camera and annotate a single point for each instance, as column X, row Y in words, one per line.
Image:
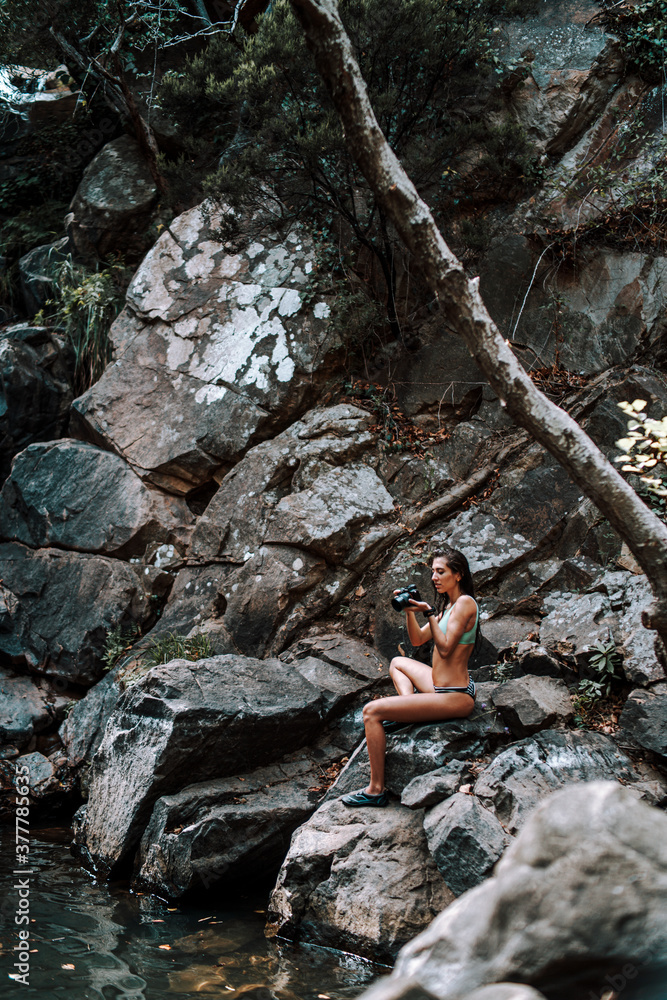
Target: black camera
column 401, row 600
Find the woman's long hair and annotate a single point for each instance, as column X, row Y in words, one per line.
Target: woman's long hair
column 458, row 563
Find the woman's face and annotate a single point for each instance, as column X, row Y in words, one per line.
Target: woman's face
column 444, row 579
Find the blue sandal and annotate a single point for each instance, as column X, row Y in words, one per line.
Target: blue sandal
column 362, row 798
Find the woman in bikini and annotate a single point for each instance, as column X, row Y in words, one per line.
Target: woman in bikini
column 445, row 690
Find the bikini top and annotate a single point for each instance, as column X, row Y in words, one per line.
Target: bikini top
column 468, row 638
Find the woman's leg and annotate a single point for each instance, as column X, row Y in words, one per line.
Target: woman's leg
column 408, row 674
column 406, row 708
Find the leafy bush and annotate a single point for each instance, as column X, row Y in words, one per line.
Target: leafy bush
column 119, row 640
column 86, row 304
column 642, row 29
column 177, row 647
column 644, row 452
column 256, row 109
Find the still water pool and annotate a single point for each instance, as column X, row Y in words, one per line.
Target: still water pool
column 93, row 941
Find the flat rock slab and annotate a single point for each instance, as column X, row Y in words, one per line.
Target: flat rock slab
column 429, row 789
column 465, row 840
column 528, row 704
column 226, row 831
column 644, row 719
column 521, row 776
column 24, row 709
column 422, row 749
column 64, row 603
column 189, row 721
column 351, row 655
column 77, row 496
column 216, row 350
column 360, row 880
column 580, row 892
column 113, row 202
column 36, row 368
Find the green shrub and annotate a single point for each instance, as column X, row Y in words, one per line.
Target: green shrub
column 119, row 640
column 642, row 29
column 177, row 647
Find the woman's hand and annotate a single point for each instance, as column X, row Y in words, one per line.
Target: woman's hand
column 418, row 605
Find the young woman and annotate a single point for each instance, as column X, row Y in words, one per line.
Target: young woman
column 445, row 690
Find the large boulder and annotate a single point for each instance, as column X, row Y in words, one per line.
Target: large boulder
column 360, row 880
column 113, row 203
column 424, row 748
column 644, row 719
column 515, row 781
column 186, row 722
column 82, row 730
column 35, row 389
column 216, row 350
column 74, row 495
column 24, row 709
column 63, row 604
column 528, row 704
column 465, row 840
column 578, row 896
column 222, row 832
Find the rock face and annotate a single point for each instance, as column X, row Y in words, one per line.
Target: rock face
column 322, row 893
column 113, row 203
column 529, row 704
column 465, row 840
column 215, row 351
column 62, row 604
column 579, row 895
column 82, row 731
column 183, row 722
column 35, row 389
column 515, row 781
column 227, row 831
column 76, row 496
column 644, row 717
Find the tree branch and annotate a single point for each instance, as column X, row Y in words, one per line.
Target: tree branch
column 466, row 313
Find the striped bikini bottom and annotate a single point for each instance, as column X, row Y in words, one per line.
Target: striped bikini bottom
column 470, row 689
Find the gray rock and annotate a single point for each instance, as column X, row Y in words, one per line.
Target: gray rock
column 529, row 704
column 337, row 687
column 24, row 709
column 35, row 389
column 535, row 659
column 522, row 775
column 325, row 518
column 423, row 748
column 215, row 352
column 64, row 605
column 644, row 719
column 360, row 880
column 186, row 722
column 465, row 839
column 576, row 622
column 48, row 780
column 74, row 495
column 113, row 203
column 82, row 731
column 579, row 894
column 351, row 655
column 506, row 631
column 38, row 270
column 488, row 545
column 225, row 831
column 641, row 664
column 428, row 789
column 505, row 991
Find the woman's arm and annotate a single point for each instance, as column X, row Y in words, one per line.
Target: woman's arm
column 417, row 634
column 445, row 642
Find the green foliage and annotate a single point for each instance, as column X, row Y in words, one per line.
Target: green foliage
column 605, row 663
column 642, row 29
column 258, row 107
column 177, row 647
column 119, row 640
column 85, row 306
column 644, row 452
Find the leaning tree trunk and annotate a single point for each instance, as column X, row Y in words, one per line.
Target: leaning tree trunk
column 459, row 297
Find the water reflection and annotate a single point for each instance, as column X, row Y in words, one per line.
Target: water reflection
column 92, row 941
